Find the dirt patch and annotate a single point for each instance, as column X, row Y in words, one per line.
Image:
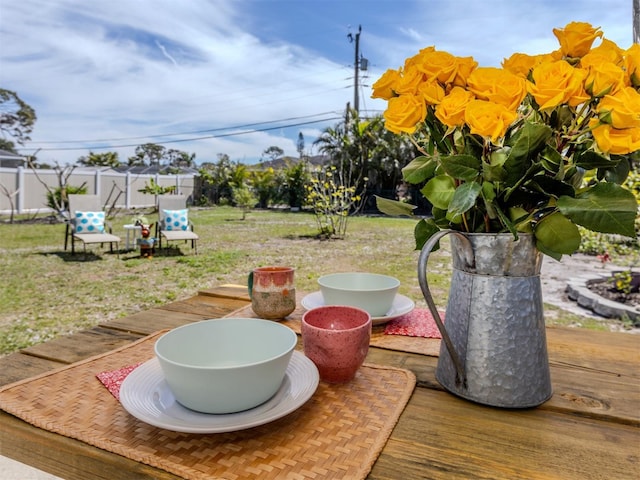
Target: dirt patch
column 606, row 289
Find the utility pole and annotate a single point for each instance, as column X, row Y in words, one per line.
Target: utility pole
column 356, row 67
column 636, row 21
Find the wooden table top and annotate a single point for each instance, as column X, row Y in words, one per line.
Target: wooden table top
column 589, row 429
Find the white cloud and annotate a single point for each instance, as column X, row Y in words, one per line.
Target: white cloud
column 119, row 69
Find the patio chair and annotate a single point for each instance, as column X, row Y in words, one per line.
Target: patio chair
column 87, row 223
column 173, row 221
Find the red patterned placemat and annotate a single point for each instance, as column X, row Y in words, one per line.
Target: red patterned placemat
column 338, row 433
column 417, row 323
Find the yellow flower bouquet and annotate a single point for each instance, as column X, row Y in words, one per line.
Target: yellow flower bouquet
column 541, row 145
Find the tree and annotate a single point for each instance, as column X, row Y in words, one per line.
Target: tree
column 300, row 144
column 364, row 149
column 244, row 199
column 273, row 153
column 147, row 154
column 265, row 186
column 296, row 179
column 8, row 145
column 178, row 158
column 16, row 119
column 216, row 179
column 106, row 159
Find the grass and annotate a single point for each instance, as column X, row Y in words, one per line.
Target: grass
column 47, row 292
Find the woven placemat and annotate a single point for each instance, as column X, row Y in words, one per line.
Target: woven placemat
column 420, row 345
column 338, row 433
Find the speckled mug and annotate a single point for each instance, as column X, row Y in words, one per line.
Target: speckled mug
column 336, row 338
column 272, row 292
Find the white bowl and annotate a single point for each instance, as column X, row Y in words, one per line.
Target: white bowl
column 369, row 291
column 225, row 365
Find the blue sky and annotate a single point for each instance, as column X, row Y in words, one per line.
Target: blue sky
column 238, row 76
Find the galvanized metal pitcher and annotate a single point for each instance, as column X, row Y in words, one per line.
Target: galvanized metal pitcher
column 494, row 348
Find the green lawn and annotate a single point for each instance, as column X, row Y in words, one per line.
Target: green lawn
column 47, row 292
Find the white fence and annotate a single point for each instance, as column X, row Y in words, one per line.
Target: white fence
column 29, row 195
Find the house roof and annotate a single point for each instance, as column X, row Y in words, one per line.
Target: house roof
column 7, row 155
column 153, row 169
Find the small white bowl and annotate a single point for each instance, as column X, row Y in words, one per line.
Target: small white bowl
column 369, row 291
column 225, row 365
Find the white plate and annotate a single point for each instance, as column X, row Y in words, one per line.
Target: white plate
column 401, row 306
column 146, row 395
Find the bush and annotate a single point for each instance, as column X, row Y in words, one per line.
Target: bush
column 56, row 201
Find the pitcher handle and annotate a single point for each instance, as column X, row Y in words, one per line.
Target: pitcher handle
column 250, row 285
column 424, row 286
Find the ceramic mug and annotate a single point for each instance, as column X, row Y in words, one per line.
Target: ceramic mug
column 272, row 292
column 336, row 338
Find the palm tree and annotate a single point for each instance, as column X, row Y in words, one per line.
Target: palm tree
column 367, row 150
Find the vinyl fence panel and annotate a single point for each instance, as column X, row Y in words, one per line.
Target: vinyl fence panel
column 22, row 189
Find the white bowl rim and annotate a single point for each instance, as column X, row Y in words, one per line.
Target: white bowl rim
column 344, row 274
column 294, row 338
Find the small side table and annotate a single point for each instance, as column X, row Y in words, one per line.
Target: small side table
column 132, row 231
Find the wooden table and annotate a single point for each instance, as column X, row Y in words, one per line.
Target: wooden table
column 590, row 429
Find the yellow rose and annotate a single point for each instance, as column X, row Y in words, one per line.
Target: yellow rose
column 576, row 38
column 608, row 51
column 403, row 113
column 557, row 83
column 417, row 59
column 451, row 109
column 520, row 64
column 432, row 92
column 488, row 119
column 466, row 65
column 438, row 65
column 622, row 109
column 385, row 86
column 604, row 78
column 409, row 81
column 497, row 85
column 613, row 140
column 632, row 65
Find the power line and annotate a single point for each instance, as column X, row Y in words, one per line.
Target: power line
column 194, row 132
column 193, row 139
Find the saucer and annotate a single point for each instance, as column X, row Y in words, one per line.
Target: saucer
column 146, row 395
column 401, row 306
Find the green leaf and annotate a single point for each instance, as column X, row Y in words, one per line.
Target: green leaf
column 463, row 199
column 551, row 186
column 525, row 144
column 394, row 207
column 506, row 221
column 521, row 218
column 493, row 173
column 419, row 169
column 489, row 196
column 557, row 234
column 617, row 174
column 551, row 160
column 439, row 217
column 605, row 207
column 439, row 191
column 540, row 246
column 590, row 160
column 423, row 231
column 462, row 167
